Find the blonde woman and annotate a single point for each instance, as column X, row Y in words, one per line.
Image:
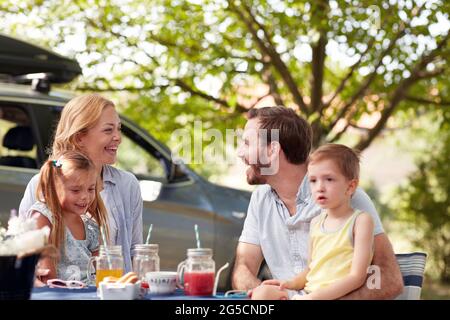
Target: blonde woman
column 90, row 124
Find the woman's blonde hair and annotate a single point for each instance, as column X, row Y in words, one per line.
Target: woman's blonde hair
column 78, row 116
column 46, row 192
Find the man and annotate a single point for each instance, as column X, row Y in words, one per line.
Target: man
column 276, row 228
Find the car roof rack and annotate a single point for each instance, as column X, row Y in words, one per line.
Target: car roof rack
column 39, row 81
column 27, row 63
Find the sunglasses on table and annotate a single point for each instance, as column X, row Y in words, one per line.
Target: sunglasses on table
column 68, row 284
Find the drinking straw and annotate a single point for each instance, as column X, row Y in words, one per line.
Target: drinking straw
column 149, row 233
column 105, row 244
column 216, row 282
column 197, row 236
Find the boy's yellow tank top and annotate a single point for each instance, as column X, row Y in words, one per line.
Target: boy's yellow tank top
column 332, row 253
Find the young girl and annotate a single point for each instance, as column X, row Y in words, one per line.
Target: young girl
column 341, row 238
column 70, row 205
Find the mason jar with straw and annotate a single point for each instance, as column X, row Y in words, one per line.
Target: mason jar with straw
column 108, row 263
column 198, row 270
column 146, row 258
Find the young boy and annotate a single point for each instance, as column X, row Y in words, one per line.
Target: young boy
column 341, row 238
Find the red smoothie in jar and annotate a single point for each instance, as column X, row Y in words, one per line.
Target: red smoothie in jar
column 198, row 283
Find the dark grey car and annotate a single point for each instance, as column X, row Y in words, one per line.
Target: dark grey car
column 175, row 197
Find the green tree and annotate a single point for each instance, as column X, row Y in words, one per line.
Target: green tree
column 334, row 61
column 423, row 202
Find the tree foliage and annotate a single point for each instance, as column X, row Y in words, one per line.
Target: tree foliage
column 423, row 202
column 336, row 62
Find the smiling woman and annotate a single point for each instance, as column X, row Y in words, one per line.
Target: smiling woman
column 91, row 125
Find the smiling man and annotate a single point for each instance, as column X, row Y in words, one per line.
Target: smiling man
column 276, row 228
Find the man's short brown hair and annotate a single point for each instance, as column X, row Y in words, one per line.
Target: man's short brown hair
column 295, row 133
column 346, row 159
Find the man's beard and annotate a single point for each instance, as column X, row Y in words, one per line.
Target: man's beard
column 254, row 176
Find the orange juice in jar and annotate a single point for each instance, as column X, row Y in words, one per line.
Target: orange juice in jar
column 108, row 263
column 100, row 274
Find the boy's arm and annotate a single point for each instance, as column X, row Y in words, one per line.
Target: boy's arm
column 363, row 240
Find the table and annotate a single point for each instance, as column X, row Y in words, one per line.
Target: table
column 90, row 293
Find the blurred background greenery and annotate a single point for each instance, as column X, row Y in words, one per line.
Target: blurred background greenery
column 371, row 74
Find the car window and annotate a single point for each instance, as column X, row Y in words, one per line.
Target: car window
column 18, row 148
column 133, row 158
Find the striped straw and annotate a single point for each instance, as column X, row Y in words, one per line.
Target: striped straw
column 102, row 232
column 197, row 236
column 105, row 245
column 149, row 233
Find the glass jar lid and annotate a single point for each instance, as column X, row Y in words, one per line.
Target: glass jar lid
column 146, row 248
column 199, row 252
column 110, row 250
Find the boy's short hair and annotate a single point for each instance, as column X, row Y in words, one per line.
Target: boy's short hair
column 346, row 159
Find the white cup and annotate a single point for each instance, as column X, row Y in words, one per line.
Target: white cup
column 162, row 282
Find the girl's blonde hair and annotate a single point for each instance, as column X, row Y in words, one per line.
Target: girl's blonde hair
column 46, row 192
column 78, row 116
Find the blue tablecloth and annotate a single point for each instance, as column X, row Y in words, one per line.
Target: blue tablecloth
column 90, row 293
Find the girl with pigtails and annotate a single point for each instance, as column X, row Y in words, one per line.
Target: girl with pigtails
column 68, row 202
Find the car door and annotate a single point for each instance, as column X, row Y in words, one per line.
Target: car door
column 173, row 204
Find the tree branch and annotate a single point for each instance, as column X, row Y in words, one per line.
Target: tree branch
column 318, row 63
column 430, row 74
column 205, row 96
column 259, row 99
column 368, row 81
column 110, row 89
column 400, row 93
column 267, row 35
column 352, row 70
column 339, row 134
column 275, row 58
column 349, row 74
column 438, row 102
column 273, row 86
